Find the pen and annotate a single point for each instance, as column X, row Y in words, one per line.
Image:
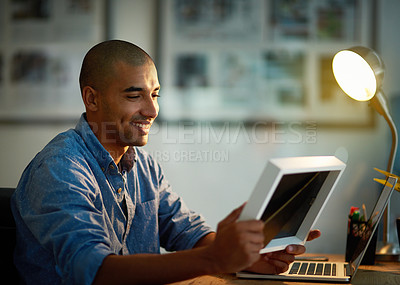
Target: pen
column 364, row 213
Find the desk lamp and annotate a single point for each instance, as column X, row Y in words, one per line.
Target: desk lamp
column 359, row 72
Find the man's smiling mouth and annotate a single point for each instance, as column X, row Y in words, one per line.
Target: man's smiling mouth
column 143, row 127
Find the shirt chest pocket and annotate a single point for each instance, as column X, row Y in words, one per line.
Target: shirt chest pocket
column 144, row 233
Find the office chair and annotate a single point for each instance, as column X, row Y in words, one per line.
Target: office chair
column 7, row 237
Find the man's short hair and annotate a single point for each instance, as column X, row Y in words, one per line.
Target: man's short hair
column 99, row 61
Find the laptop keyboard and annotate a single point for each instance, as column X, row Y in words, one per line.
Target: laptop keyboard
column 313, row 268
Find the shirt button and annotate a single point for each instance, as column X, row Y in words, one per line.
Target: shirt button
column 112, row 166
column 119, row 190
column 102, row 169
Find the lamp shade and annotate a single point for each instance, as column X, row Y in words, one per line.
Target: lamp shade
column 359, row 72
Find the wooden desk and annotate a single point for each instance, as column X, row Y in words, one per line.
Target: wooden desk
column 378, row 274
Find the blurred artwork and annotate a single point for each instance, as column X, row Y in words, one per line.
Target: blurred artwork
column 248, row 60
column 290, row 19
column 29, row 9
column 29, row 67
column 191, row 71
column 217, row 19
column 42, row 43
column 335, row 20
column 284, row 71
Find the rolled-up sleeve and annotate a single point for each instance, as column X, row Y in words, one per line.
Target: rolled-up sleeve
column 62, row 209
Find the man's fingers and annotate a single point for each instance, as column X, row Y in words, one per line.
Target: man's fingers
column 237, row 243
column 295, row 249
column 251, row 226
column 278, row 261
column 313, row 235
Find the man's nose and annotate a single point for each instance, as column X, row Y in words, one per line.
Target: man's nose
column 150, row 108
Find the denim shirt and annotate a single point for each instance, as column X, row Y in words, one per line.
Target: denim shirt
column 74, row 206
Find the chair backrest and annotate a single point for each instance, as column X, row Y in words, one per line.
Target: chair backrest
column 7, row 237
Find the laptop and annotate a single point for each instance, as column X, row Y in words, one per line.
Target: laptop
column 334, row 271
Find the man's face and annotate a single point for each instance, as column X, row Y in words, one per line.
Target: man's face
column 128, row 104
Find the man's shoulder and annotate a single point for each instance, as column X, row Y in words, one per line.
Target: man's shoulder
column 61, row 159
column 65, row 144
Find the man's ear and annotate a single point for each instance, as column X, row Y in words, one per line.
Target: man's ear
column 90, row 98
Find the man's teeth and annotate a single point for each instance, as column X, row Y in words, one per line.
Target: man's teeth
column 144, row 126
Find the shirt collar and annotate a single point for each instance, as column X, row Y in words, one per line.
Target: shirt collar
column 102, row 156
column 127, row 160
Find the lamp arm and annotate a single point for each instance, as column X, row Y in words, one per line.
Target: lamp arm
column 393, row 149
column 379, row 102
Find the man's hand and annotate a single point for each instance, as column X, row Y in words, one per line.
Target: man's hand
column 278, row 262
column 236, row 244
column 236, row 247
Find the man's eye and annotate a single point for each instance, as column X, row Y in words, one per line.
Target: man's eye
column 133, row 97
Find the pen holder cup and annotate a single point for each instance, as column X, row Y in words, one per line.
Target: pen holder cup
column 358, row 233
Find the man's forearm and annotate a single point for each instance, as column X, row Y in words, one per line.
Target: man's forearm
column 205, row 240
column 235, row 246
column 155, row 268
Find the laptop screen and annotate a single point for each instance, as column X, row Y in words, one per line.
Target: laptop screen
column 376, row 214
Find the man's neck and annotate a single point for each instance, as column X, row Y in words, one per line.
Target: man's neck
column 116, row 151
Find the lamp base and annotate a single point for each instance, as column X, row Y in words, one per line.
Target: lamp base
column 387, row 252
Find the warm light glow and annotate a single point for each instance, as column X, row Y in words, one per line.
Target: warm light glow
column 354, row 75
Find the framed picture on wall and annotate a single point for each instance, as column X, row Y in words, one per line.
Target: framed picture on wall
column 250, row 60
column 42, row 44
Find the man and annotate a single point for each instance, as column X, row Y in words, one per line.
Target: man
column 93, row 207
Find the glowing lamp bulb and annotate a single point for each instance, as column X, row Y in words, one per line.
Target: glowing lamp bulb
column 354, row 75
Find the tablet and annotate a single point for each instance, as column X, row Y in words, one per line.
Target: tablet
column 289, row 197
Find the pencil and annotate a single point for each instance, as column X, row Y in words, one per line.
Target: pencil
column 364, row 212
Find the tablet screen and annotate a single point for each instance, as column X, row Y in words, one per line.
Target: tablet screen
column 292, row 199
